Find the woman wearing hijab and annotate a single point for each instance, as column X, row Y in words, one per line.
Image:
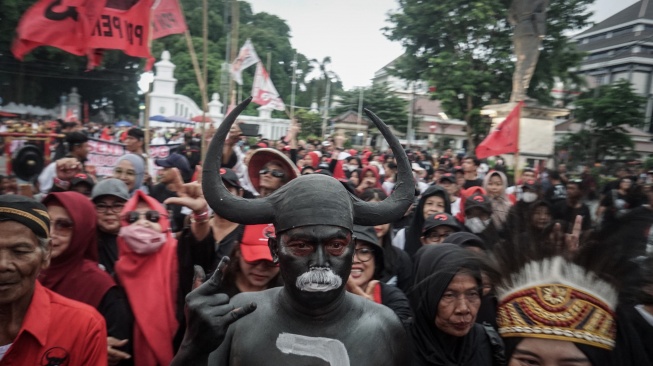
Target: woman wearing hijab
column 434, row 200
column 74, row 271
column 130, row 169
column 147, row 267
column 495, row 184
column 445, row 299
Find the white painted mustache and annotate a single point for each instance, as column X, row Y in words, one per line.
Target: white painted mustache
column 318, row 280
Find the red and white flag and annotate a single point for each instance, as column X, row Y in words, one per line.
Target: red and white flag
column 167, row 18
column 246, row 58
column 264, row 92
column 504, row 139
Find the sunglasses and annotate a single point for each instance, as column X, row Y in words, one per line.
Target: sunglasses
column 133, row 216
column 275, row 173
column 62, row 226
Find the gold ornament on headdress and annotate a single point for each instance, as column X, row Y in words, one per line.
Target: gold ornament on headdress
column 555, row 299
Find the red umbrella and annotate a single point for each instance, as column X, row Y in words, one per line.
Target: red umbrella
column 199, row 119
column 7, row 114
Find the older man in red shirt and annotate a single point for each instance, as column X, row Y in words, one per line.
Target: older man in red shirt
column 37, row 326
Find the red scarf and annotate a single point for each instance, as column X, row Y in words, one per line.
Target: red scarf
column 151, row 283
column 72, row 274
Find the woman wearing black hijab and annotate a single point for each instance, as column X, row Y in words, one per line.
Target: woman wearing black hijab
column 434, row 200
column 445, row 299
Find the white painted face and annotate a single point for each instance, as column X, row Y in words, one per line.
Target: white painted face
column 318, row 280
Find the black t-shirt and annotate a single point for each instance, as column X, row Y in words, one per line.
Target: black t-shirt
column 107, row 251
column 478, row 182
column 562, row 211
column 555, row 193
column 161, row 193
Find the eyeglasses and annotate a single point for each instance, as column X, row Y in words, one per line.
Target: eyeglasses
column 63, row 227
column 275, row 173
column 364, row 254
column 104, row 208
column 133, row 216
column 118, row 172
column 264, row 262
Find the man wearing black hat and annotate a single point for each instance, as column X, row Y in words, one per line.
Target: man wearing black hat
column 38, row 326
column 166, row 188
column 57, row 175
column 311, row 319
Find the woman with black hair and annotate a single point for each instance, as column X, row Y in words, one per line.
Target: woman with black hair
column 366, row 271
column 397, row 266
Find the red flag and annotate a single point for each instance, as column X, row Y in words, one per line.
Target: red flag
column 167, row 19
column 64, row 24
column 504, row 139
column 123, row 25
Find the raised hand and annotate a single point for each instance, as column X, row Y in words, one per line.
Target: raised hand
column 67, row 168
column 572, row 241
column 209, row 315
column 189, row 194
column 368, row 293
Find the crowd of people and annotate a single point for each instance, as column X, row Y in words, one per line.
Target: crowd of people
column 335, row 256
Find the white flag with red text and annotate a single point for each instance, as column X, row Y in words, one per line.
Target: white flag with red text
column 264, row 92
column 246, row 58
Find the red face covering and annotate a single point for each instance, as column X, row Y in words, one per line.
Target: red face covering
column 150, row 279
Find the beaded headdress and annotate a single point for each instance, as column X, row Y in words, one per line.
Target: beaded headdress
column 556, row 299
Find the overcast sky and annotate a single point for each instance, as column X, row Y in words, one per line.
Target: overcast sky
column 350, row 31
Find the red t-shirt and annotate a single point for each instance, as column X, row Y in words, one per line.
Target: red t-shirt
column 58, row 331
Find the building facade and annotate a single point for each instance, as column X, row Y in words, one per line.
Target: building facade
column 621, row 48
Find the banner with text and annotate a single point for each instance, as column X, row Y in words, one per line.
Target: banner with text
column 104, row 155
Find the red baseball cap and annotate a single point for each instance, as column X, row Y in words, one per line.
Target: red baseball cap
column 254, row 245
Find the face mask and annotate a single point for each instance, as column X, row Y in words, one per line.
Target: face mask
column 351, row 168
column 142, row 240
column 529, row 197
column 476, row 225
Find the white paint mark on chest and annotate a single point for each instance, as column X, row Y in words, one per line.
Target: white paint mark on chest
column 330, row 350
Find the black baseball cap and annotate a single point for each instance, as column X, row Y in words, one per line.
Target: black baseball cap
column 478, row 200
column 447, row 176
column 440, row 219
column 230, row 178
column 178, row 161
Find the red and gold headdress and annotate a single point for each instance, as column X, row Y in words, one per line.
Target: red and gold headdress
column 556, row 299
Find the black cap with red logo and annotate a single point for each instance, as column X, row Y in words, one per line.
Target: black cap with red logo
column 440, row 219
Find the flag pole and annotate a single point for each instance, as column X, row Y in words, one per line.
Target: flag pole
column 146, row 113
column 516, row 156
column 205, row 55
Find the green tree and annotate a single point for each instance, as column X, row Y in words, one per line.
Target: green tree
column 311, row 123
column 604, row 113
column 464, row 50
column 379, row 99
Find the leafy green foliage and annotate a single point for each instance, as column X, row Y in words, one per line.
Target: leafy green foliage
column 464, row 49
column 311, row 123
column 605, row 112
column 47, row 72
column 379, row 99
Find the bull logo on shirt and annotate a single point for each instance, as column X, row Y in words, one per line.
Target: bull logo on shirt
column 55, row 356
